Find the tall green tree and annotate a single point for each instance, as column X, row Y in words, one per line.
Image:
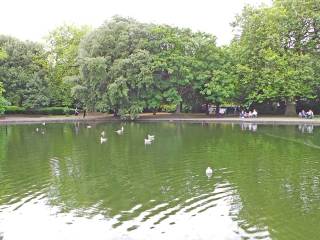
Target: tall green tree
column 25, row 63
column 275, row 61
column 63, row 48
column 214, row 78
column 114, row 67
column 3, row 101
column 174, row 55
column 127, row 66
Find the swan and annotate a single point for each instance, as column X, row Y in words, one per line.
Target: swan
column 102, row 133
column 209, row 171
column 151, row 137
column 120, row 131
column 43, row 123
column 147, row 141
column 102, row 140
column 88, row 126
column 37, row 129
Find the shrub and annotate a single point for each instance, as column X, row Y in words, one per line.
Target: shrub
column 15, row 110
column 51, row 111
column 169, row 107
column 44, row 111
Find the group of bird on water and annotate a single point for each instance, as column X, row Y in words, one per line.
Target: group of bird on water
column 42, row 130
column 147, row 141
column 103, row 139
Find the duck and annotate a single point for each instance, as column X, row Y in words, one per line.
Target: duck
column 37, row 129
column 120, row 131
column 88, row 126
column 102, row 140
column 147, row 141
column 103, row 133
column 209, row 171
column 151, row 137
column 43, row 123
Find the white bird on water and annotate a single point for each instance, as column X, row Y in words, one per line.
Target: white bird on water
column 151, row 137
column 88, row 126
column 120, row 131
column 103, row 133
column 209, row 171
column 147, row 141
column 43, row 123
column 102, row 140
column 37, row 129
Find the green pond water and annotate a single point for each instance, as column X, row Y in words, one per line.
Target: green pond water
column 61, row 182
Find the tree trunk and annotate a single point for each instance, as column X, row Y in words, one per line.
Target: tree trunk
column 207, row 109
column 290, row 108
column 115, row 113
column 179, row 107
column 217, row 109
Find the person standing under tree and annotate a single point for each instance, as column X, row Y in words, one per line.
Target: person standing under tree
column 84, row 112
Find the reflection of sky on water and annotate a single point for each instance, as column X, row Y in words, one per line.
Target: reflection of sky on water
column 211, row 215
column 66, row 185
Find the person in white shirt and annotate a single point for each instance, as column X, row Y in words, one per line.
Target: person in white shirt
column 310, row 114
column 254, row 113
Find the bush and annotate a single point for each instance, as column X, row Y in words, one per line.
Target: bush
column 3, row 104
column 44, row 111
column 168, row 107
column 15, row 110
column 52, row 111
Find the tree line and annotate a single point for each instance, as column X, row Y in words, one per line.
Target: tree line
column 127, row 67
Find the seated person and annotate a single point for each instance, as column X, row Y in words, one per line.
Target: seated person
column 222, row 111
column 309, row 114
column 302, row 114
column 242, row 114
column 254, row 113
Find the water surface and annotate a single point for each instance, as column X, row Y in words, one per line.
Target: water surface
column 60, row 182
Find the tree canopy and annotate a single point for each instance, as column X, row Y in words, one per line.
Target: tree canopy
column 127, row 67
column 62, row 46
column 23, row 73
column 277, row 49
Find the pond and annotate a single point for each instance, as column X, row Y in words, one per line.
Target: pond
column 59, row 181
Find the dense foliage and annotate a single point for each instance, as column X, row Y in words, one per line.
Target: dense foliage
column 63, row 46
column 3, row 101
column 126, row 67
column 278, row 51
column 23, row 73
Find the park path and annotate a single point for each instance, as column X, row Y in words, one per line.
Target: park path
column 25, row 119
column 197, row 118
column 259, row 120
